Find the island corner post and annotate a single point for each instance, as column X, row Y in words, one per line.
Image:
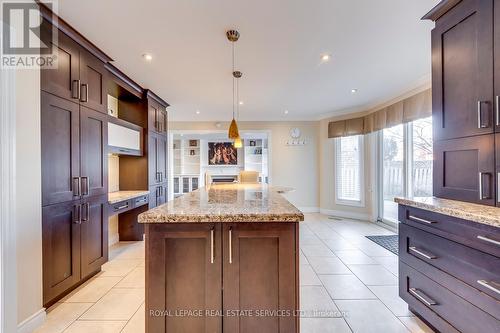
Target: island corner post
column 223, row 276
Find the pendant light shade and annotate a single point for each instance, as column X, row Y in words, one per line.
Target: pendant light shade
column 238, row 143
column 233, row 130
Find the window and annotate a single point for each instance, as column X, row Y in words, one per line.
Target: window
column 349, row 170
column 405, row 164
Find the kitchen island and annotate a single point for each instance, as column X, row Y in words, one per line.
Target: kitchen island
column 223, row 259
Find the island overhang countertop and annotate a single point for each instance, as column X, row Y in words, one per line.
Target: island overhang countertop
column 226, row 203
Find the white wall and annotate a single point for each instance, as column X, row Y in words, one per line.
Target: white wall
column 28, row 194
column 295, row 166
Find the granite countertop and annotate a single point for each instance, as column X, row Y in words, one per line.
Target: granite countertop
column 226, row 203
column 464, row 210
column 114, row 197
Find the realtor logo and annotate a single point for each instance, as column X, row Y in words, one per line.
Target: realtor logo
column 25, row 42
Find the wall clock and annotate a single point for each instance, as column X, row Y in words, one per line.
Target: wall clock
column 295, row 133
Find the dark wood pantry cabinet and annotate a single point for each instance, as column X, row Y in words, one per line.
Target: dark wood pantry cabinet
column 74, row 145
column 465, row 90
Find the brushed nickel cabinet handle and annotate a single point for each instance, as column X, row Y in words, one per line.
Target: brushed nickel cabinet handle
column 87, row 212
column 77, row 186
column 489, row 240
column 497, row 110
column 77, row 214
column 421, row 220
column 230, row 245
column 422, row 253
column 490, row 285
column 498, row 186
column 479, row 125
column 86, row 188
column 85, row 97
column 480, row 186
column 75, row 89
column 422, row 297
column 212, row 246
column 121, row 207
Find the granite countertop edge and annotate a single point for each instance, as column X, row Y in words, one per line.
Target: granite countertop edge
column 468, row 211
column 125, row 195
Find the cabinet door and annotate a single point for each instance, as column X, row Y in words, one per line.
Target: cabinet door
column 157, row 195
column 93, row 75
column 60, row 144
column 157, row 117
column 64, row 80
column 464, row 169
column 60, row 248
column 259, row 275
column 94, row 156
column 183, row 270
column 158, row 152
column 496, row 42
column 462, row 71
column 94, row 234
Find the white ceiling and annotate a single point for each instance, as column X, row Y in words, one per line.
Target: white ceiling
column 381, row 48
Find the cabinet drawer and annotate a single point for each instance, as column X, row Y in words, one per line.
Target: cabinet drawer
column 474, row 275
column 141, row 200
column 443, row 309
column 476, row 235
column 121, row 206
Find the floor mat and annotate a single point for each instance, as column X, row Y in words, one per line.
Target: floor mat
column 389, row 242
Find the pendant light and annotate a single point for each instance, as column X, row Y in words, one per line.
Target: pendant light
column 233, row 133
column 238, row 143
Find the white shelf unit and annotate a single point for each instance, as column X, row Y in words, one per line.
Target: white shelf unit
column 256, row 157
column 187, row 166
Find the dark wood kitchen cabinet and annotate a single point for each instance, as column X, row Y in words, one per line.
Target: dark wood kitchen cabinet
column 232, row 268
column 465, row 90
column 93, row 235
column 185, row 263
column 74, row 151
column 259, row 275
column 462, row 71
column 158, row 195
column 158, row 157
column 93, row 76
column 60, row 145
column 497, row 169
column 60, row 248
column 157, row 113
column 93, row 152
column 464, row 169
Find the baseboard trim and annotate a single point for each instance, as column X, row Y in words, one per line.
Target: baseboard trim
column 346, row 215
column 309, row 209
column 32, row 322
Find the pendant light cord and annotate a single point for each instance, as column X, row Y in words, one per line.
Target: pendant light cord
column 233, row 78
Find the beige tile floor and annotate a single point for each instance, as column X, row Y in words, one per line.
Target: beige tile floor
column 348, row 284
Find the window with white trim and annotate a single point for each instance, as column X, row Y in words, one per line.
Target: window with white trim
column 349, row 156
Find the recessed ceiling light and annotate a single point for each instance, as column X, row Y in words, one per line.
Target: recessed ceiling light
column 353, row 91
column 241, row 103
column 197, row 111
column 147, row 57
column 286, row 111
column 325, row 57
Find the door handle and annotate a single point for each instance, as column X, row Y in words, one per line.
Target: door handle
column 86, row 187
column 77, row 214
column 77, row 186
column 422, row 253
column 87, row 212
column 75, row 89
column 121, row 207
column 85, row 96
column 479, row 115
column 230, row 245
column 490, row 285
column 422, row 297
column 481, row 195
column 212, row 246
column 497, row 110
column 498, row 186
